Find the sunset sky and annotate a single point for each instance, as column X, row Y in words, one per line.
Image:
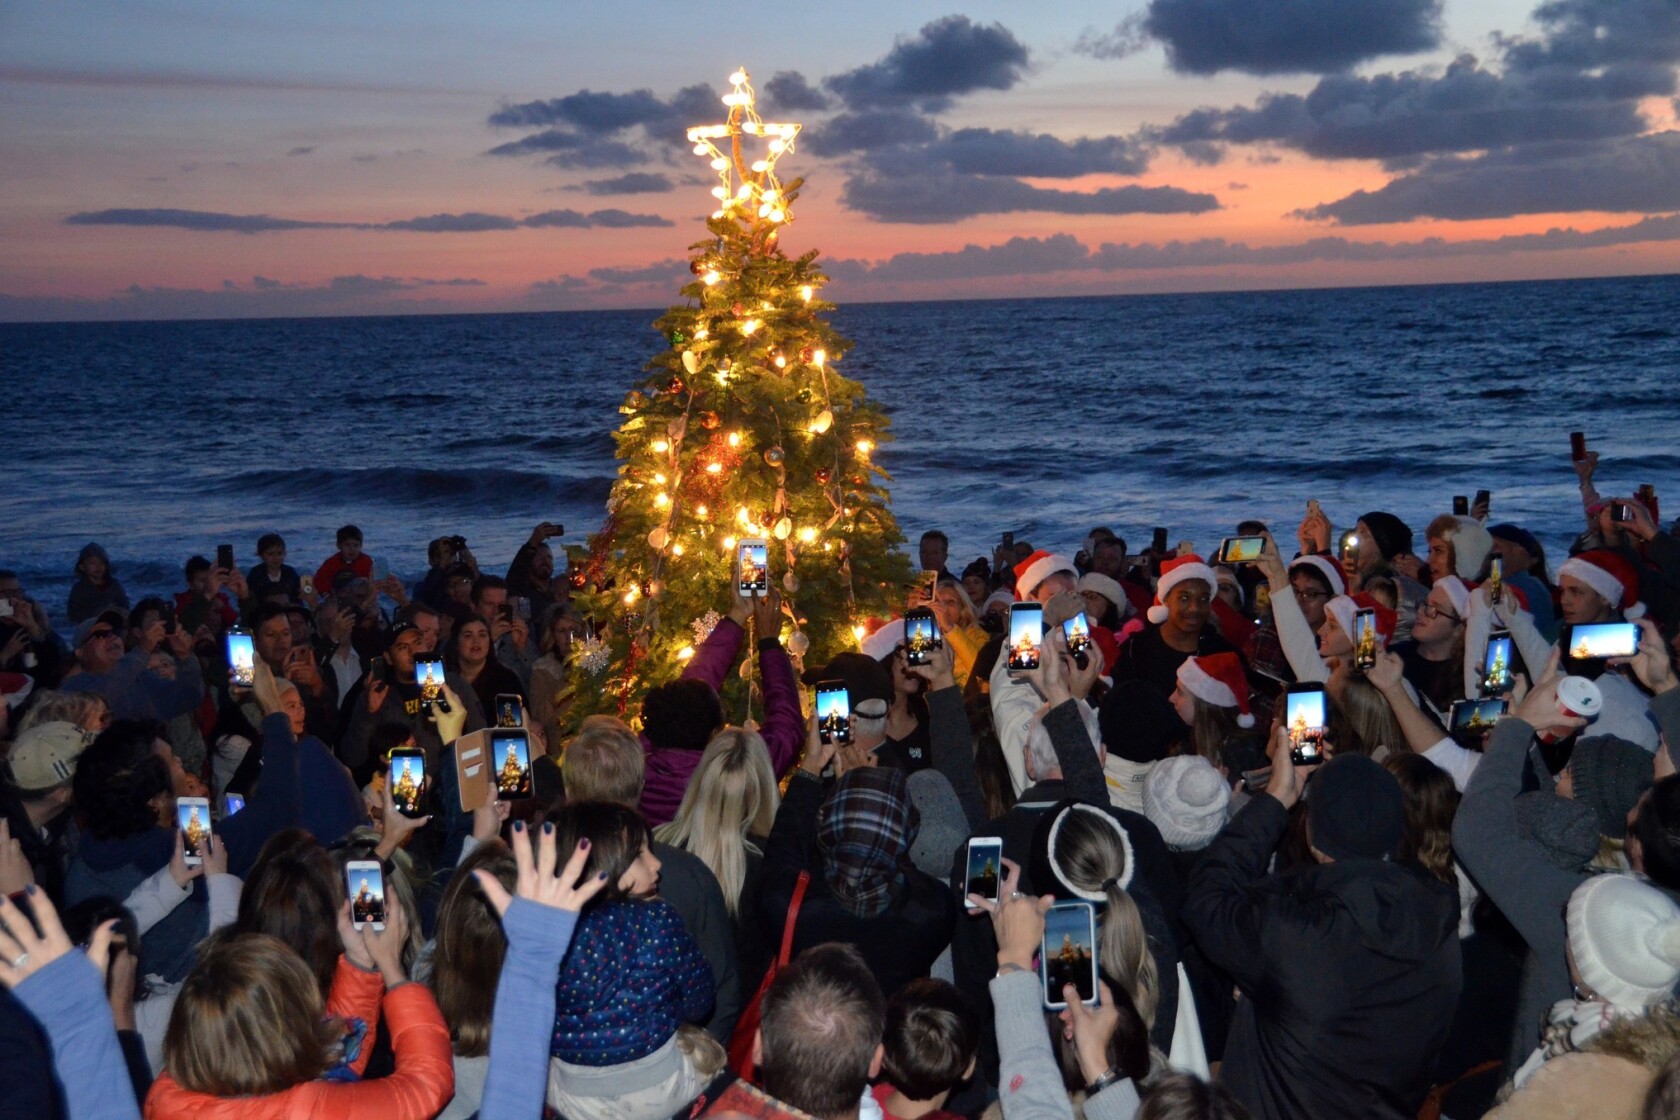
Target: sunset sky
column 181, row 159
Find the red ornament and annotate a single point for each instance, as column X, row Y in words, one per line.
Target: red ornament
column 806, row 354
column 697, row 267
column 676, row 385
column 738, row 309
column 709, row 420
column 823, row 476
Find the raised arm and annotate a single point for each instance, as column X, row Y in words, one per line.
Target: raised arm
column 784, row 725
column 1300, row 645
column 950, row 741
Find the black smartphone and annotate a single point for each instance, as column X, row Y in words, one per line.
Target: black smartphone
column 1496, row 672
column 834, row 712
column 1241, row 550
column 1077, row 631
column 921, row 636
column 1621, row 511
column 754, row 556
column 985, row 870
column 1484, row 500
column 364, row 883
column 1069, row 953
column 510, row 751
column 1578, row 446
column 406, row 779
column 242, row 658
column 1365, row 639
column 428, row 674
column 1496, row 578
column 1158, row 541
column 1461, row 506
column 1596, row 641
column 1473, row 718
column 1306, row 717
column 1007, row 541
column 224, row 557
column 193, row 815
column 510, row 710
column 1026, row 636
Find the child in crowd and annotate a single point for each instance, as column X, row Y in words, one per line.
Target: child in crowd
column 927, row 1051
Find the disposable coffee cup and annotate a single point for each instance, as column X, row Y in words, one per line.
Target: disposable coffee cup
column 1578, row 698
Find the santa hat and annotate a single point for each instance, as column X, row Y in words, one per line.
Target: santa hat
column 1218, row 679
column 1334, row 574
column 1039, row 567
column 1609, row 574
column 1175, row 572
column 1343, row 608
column 884, row 640
column 1459, row 592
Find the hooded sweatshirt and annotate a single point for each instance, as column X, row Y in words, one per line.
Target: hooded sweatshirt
column 1350, row 973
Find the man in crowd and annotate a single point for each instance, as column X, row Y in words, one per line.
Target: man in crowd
column 934, row 550
column 272, row 640
column 28, row 644
column 136, row 684
column 510, row 633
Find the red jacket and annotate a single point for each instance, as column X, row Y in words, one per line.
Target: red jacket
column 423, row 1083
column 332, row 565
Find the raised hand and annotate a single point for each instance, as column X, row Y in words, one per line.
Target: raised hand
column 536, row 880
column 23, row 952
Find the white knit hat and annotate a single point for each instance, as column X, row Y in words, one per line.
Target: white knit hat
column 1186, row 799
column 1625, row 937
column 1471, row 545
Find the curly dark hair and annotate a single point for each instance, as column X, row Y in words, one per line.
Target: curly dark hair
column 117, row 779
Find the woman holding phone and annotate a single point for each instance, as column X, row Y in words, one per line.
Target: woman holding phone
column 471, row 654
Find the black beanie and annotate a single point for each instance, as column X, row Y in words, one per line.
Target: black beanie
column 1137, row 723
column 1393, row 536
column 1355, row 809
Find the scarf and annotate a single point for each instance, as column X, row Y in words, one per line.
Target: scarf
column 864, row 833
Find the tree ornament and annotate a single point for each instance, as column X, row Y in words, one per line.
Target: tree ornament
column 805, row 353
column 704, row 625
column 637, row 400
column 594, row 655
column 783, row 529
column 737, row 309
column 677, row 428
column 823, row 476
column 656, row 588
column 691, row 362
column 709, row 421
column 790, row 582
column 746, row 670
column 675, row 385
column 677, row 338
column 823, row 422
column 658, row 539
column 798, row 643
column 725, row 365
column 775, row 456
column 803, row 396
column 697, row 266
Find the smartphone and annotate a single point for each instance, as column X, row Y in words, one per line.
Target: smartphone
column 754, row 556
column 522, row 608
column 1026, row 636
column 921, row 636
column 1476, row 717
column 1621, row 511
column 834, row 712
column 1077, row 631
column 364, row 883
column 428, row 674
column 1484, row 500
column 1305, row 717
column 1365, row 639
column 232, row 803
column 510, row 710
column 1496, row 664
column 1496, row 577
column 1068, row 954
column 224, row 557
column 1594, row 641
column 1348, row 549
column 242, row 658
column 985, row 870
column 510, row 753
column 1461, row 506
column 1577, row 446
column 928, row 583
column 1240, row 550
column 1158, row 541
column 406, row 779
column 193, row 813
column 1008, row 543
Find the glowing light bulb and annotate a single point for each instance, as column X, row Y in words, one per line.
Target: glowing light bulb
column 676, row 550
column 781, row 362
column 659, row 478
column 632, row 595
column 702, row 334
column 864, row 447
column 711, row 278
column 661, row 499
column 720, row 164
column 778, row 145
column 700, row 149
column 819, row 357
column 728, row 543
column 750, row 326
column 858, row 632
column 807, row 535
column 702, row 511
column 685, row 653
column 760, row 165
column 738, row 78
column 805, row 294
column 749, row 127
column 660, row 446
column 714, row 468
column 717, row 213
column 720, row 192
column 777, row 215
column 734, row 439
column 742, row 516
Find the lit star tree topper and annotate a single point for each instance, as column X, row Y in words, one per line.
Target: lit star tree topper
column 742, row 428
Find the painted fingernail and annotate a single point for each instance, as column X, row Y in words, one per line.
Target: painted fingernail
column 584, row 843
column 519, row 826
column 601, row 875
column 548, row 828
column 31, row 889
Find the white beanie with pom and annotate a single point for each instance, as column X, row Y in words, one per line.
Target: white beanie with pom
column 1625, row 938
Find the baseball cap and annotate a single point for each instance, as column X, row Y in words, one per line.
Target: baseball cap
column 113, row 618
column 46, row 754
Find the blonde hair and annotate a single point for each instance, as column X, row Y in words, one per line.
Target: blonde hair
column 1091, row 858
column 732, row 795
column 61, row 707
column 603, row 762
column 248, row 1021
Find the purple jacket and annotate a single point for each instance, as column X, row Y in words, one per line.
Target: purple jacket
column 668, row 771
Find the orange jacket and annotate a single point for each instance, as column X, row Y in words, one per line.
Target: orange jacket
column 423, row 1083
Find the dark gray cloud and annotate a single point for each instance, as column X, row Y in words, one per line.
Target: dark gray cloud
column 787, row 91
column 202, row 221
column 669, row 271
column 985, row 151
column 1630, row 174
column 947, row 58
column 301, row 151
column 589, row 129
column 866, row 131
column 634, row 182
column 574, row 149
column 1283, row 36
column 357, row 294
column 950, row 197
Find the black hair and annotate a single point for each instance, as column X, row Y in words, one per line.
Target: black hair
column 118, row 776
column 270, row 540
column 1250, row 528
column 486, row 583
column 270, row 611
column 164, row 608
column 617, row 834
column 937, row 535
column 196, row 564
column 348, row 533
column 681, row 715
column 1657, row 827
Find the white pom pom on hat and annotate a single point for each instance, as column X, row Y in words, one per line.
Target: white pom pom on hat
column 1174, row 572
column 1625, row 937
column 1611, row 576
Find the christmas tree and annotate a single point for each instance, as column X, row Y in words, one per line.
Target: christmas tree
column 742, row 429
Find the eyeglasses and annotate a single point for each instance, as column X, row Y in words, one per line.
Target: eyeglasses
column 1309, row 595
column 97, row 634
column 1430, row 610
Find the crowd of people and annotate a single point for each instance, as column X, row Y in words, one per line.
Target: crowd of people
column 1404, row 916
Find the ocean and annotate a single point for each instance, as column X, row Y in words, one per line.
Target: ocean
column 1043, row 417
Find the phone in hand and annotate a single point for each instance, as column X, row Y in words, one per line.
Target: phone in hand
column 1461, row 506
column 510, row 754
column 1241, row 550
column 1497, row 676
column 1472, row 719
column 1484, row 501
column 510, row 710
column 193, row 815
column 242, row 658
column 928, row 583
column 985, row 870
column 1026, row 637
column 1158, row 541
column 834, row 712
column 224, row 557
column 428, row 674
column 921, row 636
column 1621, row 512
column 1365, row 639
column 405, row 777
column 364, row 884
column 1306, row 719
column 1068, row 954
column 1578, row 447
column 1496, row 578
column 753, row 556
column 1007, row 543
column 1077, row 631
column 1598, row 641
